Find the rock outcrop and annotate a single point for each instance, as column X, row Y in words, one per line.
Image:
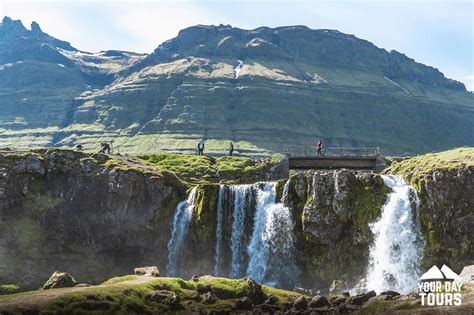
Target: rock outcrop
column 332, row 211
column 85, row 213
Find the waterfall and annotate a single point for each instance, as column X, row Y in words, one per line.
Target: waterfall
column 220, row 210
column 238, row 68
column 240, row 193
column 271, row 249
column 397, row 251
column 182, row 216
column 254, row 235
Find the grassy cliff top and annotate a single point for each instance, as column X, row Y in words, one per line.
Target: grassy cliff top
column 189, row 169
column 194, row 169
column 456, row 158
column 417, row 167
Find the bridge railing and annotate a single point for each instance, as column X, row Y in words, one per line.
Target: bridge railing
column 331, row 151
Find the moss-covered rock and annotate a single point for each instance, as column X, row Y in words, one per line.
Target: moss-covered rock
column 194, row 169
column 141, row 294
column 9, row 289
column 332, row 210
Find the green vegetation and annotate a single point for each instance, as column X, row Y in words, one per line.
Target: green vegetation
column 415, row 168
column 134, row 294
column 9, row 289
column 194, row 169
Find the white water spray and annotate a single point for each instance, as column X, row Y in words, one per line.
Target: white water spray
column 397, row 251
column 182, row 216
column 271, row 249
column 220, row 209
column 240, row 192
column 238, row 68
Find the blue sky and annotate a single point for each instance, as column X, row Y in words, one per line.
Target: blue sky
column 436, row 33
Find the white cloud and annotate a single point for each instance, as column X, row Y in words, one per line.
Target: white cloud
column 469, row 82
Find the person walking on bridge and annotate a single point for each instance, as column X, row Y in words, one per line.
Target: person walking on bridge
column 319, row 147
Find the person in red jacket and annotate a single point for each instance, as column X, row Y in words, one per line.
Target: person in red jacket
column 319, row 147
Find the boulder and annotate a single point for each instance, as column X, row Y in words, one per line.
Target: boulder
column 147, row 271
column 300, row 303
column 338, row 287
column 167, row 298
column 337, row 299
column 209, row 298
column 244, row 303
column 390, row 294
column 60, row 280
column 319, row 301
column 271, row 300
column 361, row 298
column 256, row 293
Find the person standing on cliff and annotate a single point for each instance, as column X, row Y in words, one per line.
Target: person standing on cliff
column 201, row 147
column 231, row 149
column 319, row 147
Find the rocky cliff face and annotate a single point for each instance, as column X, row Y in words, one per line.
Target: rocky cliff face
column 97, row 217
column 332, row 211
column 295, row 84
column 64, row 210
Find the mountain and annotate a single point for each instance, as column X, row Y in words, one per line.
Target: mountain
column 264, row 89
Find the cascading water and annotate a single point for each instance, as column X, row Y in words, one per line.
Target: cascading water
column 238, row 68
column 240, row 193
column 182, row 216
column 263, row 251
column 397, row 251
column 271, row 249
column 220, row 210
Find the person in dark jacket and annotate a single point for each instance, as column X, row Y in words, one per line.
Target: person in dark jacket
column 319, row 147
column 201, row 147
column 104, row 147
column 231, row 148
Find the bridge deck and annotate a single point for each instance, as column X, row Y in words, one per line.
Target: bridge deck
column 332, row 162
column 305, row 158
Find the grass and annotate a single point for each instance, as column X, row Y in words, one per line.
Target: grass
column 418, row 166
column 9, row 289
column 194, row 169
column 119, row 296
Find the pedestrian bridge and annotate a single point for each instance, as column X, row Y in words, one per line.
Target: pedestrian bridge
column 306, row 158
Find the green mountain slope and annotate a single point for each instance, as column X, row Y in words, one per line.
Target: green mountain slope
column 264, row 89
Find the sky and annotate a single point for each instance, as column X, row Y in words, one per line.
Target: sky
column 434, row 32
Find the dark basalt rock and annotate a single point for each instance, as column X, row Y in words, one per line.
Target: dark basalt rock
column 244, row 303
column 300, row 303
column 361, row 298
column 209, row 298
column 319, row 301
